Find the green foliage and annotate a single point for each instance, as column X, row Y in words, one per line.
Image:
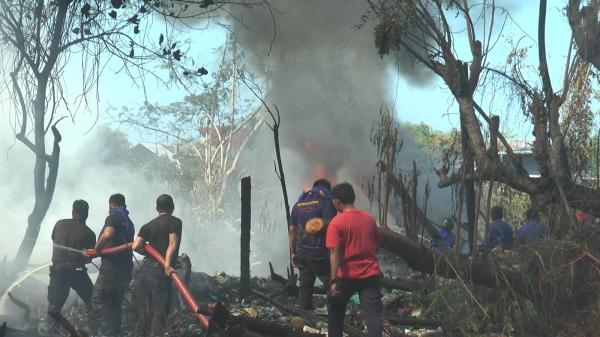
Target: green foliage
column 430, row 139
column 515, row 203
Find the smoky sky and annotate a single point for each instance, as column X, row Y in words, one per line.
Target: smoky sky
column 324, row 74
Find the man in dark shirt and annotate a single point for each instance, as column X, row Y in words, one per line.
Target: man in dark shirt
column 312, row 214
column 68, row 266
column 116, row 269
column 154, row 285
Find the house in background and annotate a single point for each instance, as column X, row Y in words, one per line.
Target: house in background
column 523, row 150
column 146, row 152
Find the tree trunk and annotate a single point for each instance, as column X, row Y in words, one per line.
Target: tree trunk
column 469, row 186
column 43, row 186
column 478, row 271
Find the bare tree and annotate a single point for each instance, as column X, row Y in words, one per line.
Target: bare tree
column 38, row 38
column 210, row 128
column 422, row 29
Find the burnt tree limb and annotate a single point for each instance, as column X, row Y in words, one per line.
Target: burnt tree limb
column 478, row 271
column 73, row 332
column 266, row 328
column 288, row 283
column 245, row 237
column 22, row 305
column 411, row 321
column 406, row 197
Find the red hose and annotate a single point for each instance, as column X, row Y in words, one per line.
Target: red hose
column 185, row 292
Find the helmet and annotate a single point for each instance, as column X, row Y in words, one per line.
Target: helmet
column 448, row 223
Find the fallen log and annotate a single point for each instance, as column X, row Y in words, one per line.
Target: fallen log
column 478, row 271
column 309, row 316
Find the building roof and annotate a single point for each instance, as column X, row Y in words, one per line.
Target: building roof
column 158, row 150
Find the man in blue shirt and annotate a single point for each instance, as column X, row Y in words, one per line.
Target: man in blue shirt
column 501, row 233
column 311, row 214
column 532, row 230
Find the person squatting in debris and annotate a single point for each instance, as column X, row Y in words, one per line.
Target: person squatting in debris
column 445, row 238
column 116, row 269
column 312, row 213
column 154, row 284
column 501, row 233
column 353, row 242
column 532, row 230
column 70, row 238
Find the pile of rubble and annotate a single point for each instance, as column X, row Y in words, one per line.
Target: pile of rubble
column 270, row 310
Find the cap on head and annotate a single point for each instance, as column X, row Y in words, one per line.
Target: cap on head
column 344, row 193
column 165, row 204
column 117, row 200
column 448, row 223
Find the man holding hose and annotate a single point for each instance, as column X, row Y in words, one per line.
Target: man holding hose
column 154, row 285
column 116, row 269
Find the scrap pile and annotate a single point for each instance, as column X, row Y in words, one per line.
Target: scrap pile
column 270, row 310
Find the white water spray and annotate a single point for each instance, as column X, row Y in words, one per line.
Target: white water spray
column 22, row 277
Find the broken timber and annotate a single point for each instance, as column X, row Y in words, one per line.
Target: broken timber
column 478, row 271
column 309, row 316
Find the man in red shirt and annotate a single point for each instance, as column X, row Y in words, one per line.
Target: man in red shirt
column 352, row 240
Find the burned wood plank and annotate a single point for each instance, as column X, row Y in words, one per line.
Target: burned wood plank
column 411, row 321
column 309, row 316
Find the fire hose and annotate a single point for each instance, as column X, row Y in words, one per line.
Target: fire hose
column 183, row 289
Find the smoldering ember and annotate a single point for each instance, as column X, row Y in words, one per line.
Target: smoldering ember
column 300, row 168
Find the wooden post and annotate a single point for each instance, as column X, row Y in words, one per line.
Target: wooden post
column 245, row 237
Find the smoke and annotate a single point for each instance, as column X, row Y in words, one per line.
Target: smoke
column 327, row 79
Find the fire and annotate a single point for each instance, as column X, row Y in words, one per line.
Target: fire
column 323, row 161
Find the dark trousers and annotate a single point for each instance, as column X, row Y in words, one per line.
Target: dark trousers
column 107, row 298
column 153, row 295
column 63, row 278
column 370, row 302
column 310, row 268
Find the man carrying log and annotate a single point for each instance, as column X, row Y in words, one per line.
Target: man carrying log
column 311, row 213
column 116, row 269
column 68, row 269
column 154, row 284
column 353, row 242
